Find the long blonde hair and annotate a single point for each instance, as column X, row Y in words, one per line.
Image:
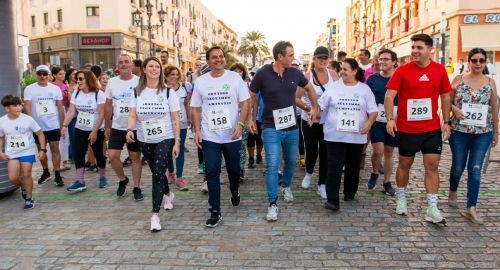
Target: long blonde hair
column 143, row 80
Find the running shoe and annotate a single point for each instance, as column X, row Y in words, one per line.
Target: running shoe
column 389, row 190
column 122, row 185
column 77, row 187
column 287, row 194
column 204, row 187
column 434, row 215
column 29, row 204
column 44, row 178
column 138, row 194
column 401, row 207
column 103, row 182
column 201, row 169
column 214, row 220
column 155, row 223
column 372, row 183
column 180, row 184
column 272, row 213
column 168, row 200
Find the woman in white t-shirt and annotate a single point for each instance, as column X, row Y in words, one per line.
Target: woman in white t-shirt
column 349, row 110
column 16, row 133
column 154, row 112
column 174, row 78
column 88, row 101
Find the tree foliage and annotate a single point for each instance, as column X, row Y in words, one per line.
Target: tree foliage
column 228, row 53
column 252, row 45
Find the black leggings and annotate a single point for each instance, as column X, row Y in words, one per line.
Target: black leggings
column 255, row 139
column 81, row 145
column 157, row 156
column 340, row 154
column 313, row 139
column 298, row 118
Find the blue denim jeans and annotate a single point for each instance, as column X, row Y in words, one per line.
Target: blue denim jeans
column 468, row 149
column 179, row 161
column 274, row 141
column 212, row 154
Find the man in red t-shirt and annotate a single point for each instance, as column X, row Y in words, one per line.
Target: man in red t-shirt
column 419, row 84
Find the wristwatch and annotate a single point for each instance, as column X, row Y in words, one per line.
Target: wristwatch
column 448, row 122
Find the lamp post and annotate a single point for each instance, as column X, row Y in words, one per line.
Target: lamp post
column 365, row 18
column 442, row 30
column 136, row 15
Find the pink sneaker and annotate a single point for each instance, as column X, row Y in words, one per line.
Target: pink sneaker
column 168, row 200
column 155, row 223
column 170, row 177
column 180, row 184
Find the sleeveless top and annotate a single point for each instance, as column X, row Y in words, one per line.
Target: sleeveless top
column 319, row 92
column 466, row 94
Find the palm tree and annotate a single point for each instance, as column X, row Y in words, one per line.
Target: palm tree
column 254, row 44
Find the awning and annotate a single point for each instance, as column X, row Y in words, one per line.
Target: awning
column 402, row 50
column 480, row 36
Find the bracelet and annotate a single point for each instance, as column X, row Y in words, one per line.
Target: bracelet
column 241, row 124
column 128, row 130
column 43, row 150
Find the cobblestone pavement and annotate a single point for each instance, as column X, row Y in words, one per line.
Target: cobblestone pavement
column 97, row 230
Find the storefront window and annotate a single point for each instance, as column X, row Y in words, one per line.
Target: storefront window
column 104, row 58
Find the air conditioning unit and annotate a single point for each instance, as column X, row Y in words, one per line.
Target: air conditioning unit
column 48, row 29
column 132, row 29
column 58, row 25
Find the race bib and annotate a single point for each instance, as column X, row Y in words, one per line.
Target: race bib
column 17, row 143
column 182, row 116
column 382, row 117
column 122, row 106
column 475, row 114
column 284, row 118
column 219, row 119
column 348, row 121
column 45, row 108
column 154, row 130
column 85, row 120
column 419, row 109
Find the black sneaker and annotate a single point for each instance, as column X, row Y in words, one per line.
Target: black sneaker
column 372, row 183
column 250, row 163
column 43, row 178
column 122, row 185
column 235, row 198
column 259, row 159
column 349, row 198
column 58, row 181
column 389, row 190
column 331, row 206
column 242, row 176
column 92, row 168
column 214, row 220
column 138, row 194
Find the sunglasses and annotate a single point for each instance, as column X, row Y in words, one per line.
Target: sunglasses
column 80, row 78
column 42, row 73
column 475, row 61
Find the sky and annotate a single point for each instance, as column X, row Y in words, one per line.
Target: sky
column 299, row 22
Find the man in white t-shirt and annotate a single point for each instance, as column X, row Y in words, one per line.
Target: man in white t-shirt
column 43, row 102
column 118, row 93
column 219, row 110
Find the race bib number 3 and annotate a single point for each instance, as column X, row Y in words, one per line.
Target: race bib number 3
column 348, row 121
column 17, row 143
column 474, row 114
column 122, row 108
column 219, row 119
column 154, row 130
column 45, row 108
column 284, row 118
column 419, row 109
column 85, row 120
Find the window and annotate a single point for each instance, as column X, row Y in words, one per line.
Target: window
column 59, row 15
column 92, row 11
column 46, row 18
column 33, row 21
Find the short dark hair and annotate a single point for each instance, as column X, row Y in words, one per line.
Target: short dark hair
column 341, row 54
column 97, row 70
column 360, row 73
column 137, row 62
column 207, row 54
column 164, row 51
column 423, row 37
column 280, row 48
column 366, row 52
column 335, row 65
column 10, row 100
column 394, row 56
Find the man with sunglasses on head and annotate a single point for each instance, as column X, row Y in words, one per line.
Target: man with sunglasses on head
column 419, row 84
column 43, row 102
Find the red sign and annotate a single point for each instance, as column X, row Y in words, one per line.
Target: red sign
column 99, row 40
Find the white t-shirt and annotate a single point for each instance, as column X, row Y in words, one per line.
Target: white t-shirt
column 346, row 109
column 219, row 99
column 182, row 93
column 120, row 92
column 43, row 104
column 153, row 114
column 18, row 135
column 86, row 106
column 319, row 93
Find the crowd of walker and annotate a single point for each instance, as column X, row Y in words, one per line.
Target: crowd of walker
column 335, row 108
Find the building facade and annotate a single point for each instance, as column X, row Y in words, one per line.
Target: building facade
column 74, row 33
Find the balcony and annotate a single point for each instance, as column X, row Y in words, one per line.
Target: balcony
column 414, row 23
column 403, row 27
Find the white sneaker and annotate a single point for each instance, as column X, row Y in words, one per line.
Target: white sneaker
column 287, row 194
column 168, row 201
column 204, row 187
column 155, row 223
column 272, row 213
column 306, row 182
column 322, row 191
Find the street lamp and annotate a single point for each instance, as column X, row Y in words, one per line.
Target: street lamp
column 136, row 15
column 442, row 30
column 364, row 18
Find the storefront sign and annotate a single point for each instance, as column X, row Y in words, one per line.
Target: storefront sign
column 96, row 40
column 488, row 18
